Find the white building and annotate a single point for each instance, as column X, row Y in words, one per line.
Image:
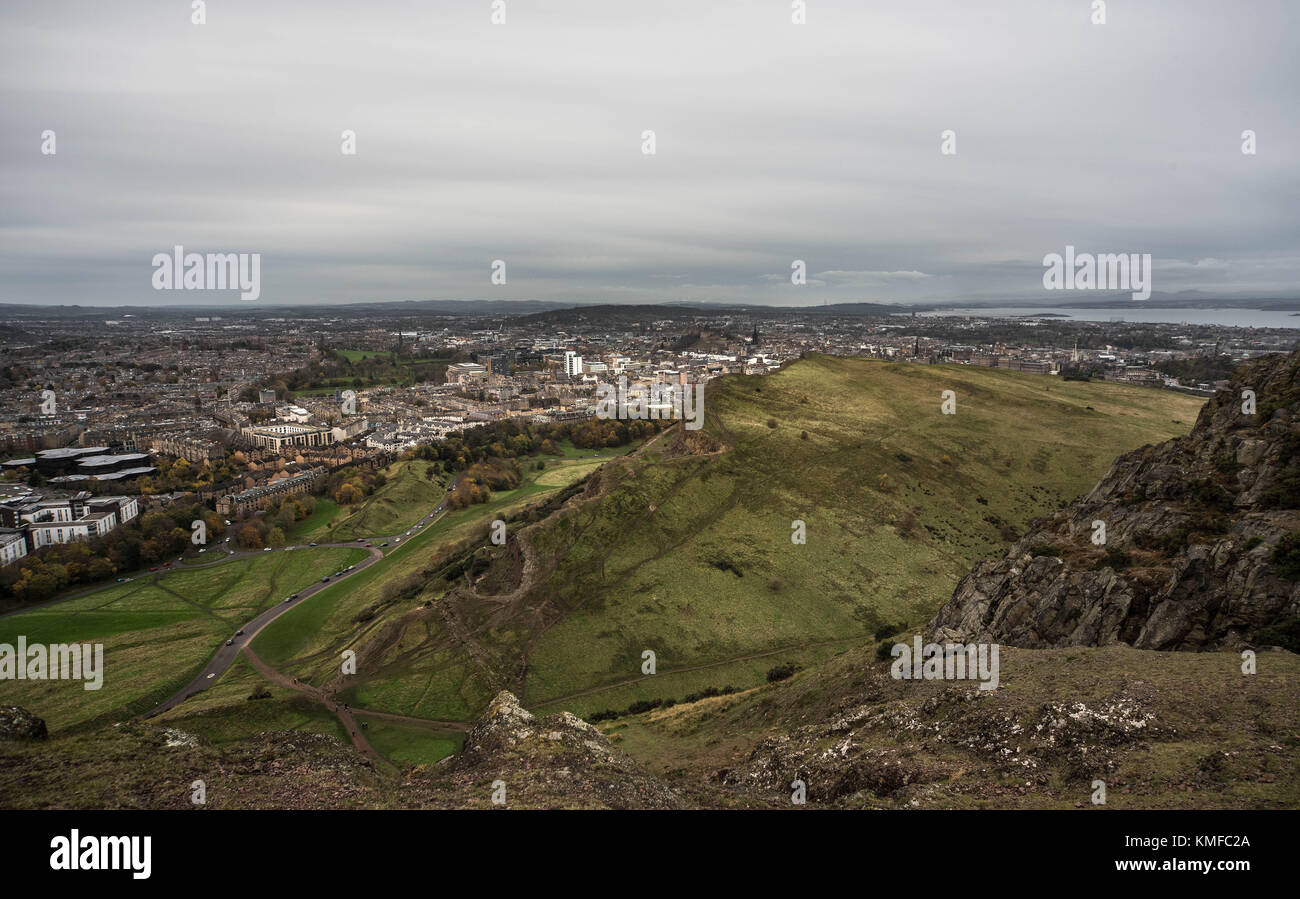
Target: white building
column 13, row 546
column 572, row 364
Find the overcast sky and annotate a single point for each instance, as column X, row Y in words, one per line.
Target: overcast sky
column 523, row 142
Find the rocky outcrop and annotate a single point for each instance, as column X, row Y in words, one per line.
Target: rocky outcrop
column 16, row 723
column 556, row 761
column 1201, row 542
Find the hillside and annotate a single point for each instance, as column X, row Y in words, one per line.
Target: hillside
column 770, row 667
column 685, row 547
column 1201, row 541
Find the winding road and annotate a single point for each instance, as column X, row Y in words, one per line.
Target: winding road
column 227, row 654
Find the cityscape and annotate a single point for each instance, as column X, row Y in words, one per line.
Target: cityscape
column 642, row 417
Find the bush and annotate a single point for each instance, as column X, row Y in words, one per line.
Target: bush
column 781, row 672
column 1286, row 556
column 1044, row 549
column 1284, row 633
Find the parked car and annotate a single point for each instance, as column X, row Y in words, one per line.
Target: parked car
column 153, row 569
column 266, row 549
column 121, row 580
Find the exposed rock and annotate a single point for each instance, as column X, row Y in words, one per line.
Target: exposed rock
column 559, row 760
column 1192, row 527
column 16, row 723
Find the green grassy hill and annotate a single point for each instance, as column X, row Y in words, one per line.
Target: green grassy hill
column 685, row 547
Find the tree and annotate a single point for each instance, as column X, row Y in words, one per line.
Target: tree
column 249, row 537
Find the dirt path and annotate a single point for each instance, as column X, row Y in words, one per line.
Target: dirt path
column 341, row 712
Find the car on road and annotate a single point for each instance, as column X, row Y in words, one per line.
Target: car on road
column 153, row 569
column 383, row 544
column 266, row 549
column 230, row 642
column 311, row 544
column 121, row 580
column 349, row 568
column 239, row 633
column 361, row 539
column 325, row 579
column 294, row 596
column 202, row 550
column 370, row 546
column 167, row 564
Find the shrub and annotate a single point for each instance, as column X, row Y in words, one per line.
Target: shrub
column 781, row 672
column 1284, row 633
column 1286, row 556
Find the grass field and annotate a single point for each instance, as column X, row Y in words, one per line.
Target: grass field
column 410, row 744
column 156, row 635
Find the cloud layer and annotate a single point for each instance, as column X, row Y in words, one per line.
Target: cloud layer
column 522, row 142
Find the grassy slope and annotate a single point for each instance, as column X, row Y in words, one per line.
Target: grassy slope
column 691, row 557
column 307, row 641
column 405, row 499
column 712, row 573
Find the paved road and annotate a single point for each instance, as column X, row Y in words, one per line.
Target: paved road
column 226, row 655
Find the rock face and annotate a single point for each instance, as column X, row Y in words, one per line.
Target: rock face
column 1201, row 544
column 556, row 761
column 16, row 723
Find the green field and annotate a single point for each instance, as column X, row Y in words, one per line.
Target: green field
column 157, row 634
column 409, row 744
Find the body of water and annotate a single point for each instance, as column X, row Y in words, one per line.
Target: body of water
column 1237, row 318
